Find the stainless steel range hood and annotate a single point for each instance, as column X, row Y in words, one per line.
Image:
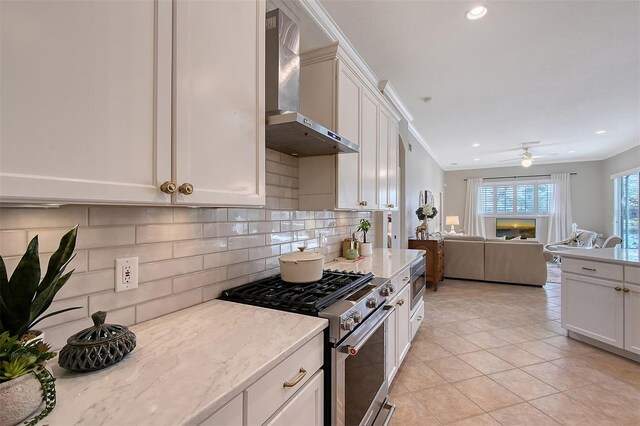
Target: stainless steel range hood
column 287, row 130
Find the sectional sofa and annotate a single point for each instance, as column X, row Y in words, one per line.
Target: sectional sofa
column 495, row 260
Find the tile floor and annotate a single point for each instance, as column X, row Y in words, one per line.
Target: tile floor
column 495, row 354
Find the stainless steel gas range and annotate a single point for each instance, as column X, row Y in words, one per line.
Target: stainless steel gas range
column 355, row 341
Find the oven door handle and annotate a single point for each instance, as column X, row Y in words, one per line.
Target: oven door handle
column 353, row 350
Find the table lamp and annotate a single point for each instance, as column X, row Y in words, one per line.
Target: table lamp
column 452, row 220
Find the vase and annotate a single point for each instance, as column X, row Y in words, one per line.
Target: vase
column 20, row 398
column 366, row 249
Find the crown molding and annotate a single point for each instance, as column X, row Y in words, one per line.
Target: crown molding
column 414, row 132
column 392, row 96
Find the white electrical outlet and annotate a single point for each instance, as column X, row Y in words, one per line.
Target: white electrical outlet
column 126, row 274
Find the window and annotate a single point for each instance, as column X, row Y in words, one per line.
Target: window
column 524, row 198
column 626, row 209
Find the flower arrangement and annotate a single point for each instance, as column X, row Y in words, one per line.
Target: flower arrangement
column 426, row 211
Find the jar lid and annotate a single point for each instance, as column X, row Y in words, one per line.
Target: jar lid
column 97, row 347
column 301, row 256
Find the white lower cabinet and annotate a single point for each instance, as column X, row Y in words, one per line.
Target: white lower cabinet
column 230, row 414
column 305, row 408
column 399, row 334
column 416, row 318
column 606, row 308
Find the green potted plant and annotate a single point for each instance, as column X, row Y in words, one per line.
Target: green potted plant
column 24, row 298
column 366, row 248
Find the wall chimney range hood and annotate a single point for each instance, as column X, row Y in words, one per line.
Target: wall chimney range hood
column 287, row 130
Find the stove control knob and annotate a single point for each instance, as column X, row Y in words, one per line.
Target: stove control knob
column 357, row 317
column 372, row 303
column 391, row 288
column 348, row 324
column 386, row 291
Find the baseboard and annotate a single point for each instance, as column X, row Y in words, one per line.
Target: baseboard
column 604, row 346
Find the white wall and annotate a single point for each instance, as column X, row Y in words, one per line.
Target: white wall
column 624, row 161
column 587, row 187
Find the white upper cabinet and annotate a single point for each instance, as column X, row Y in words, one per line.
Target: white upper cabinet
column 337, row 95
column 393, row 145
column 86, row 101
column 87, row 114
column 219, row 115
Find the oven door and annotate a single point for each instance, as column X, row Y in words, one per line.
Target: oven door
column 418, row 283
column 359, row 380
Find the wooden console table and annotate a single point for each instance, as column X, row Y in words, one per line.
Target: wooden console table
column 434, row 257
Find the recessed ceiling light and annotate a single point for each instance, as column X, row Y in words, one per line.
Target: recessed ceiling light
column 600, row 132
column 476, row 159
column 476, row 13
column 427, row 99
column 572, row 151
column 475, row 145
column 454, row 164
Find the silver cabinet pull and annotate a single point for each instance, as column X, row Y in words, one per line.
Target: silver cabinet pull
column 589, row 269
column 297, row 380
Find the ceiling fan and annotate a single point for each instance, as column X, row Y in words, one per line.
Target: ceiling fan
column 527, row 157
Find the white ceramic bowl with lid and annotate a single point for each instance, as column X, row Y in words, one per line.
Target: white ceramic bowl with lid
column 301, row 267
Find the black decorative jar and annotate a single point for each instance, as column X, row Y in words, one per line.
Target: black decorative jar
column 97, row 347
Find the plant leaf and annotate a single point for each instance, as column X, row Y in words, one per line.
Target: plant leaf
column 52, row 314
column 23, row 286
column 60, row 258
column 43, row 300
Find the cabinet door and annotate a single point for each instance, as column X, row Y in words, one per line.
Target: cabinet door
column 86, row 101
column 383, row 176
column 369, row 153
column 594, row 308
column 391, row 345
column 230, row 414
column 348, row 125
column 218, row 144
column 392, row 164
column 305, row 408
column 403, row 306
column 632, row 318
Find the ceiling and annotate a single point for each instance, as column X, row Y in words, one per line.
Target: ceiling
column 549, row 71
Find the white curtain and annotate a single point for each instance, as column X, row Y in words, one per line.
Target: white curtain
column 560, row 212
column 473, row 218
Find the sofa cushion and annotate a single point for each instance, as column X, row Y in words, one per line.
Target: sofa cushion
column 515, row 263
column 464, row 259
column 465, row 237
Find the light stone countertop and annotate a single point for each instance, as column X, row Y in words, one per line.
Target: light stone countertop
column 610, row 255
column 185, row 367
column 384, row 263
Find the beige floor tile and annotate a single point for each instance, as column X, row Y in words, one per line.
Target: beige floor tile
column 621, row 408
column 485, row 362
column 486, row 393
column 611, row 363
column 511, row 335
column 522, row 415
column 543, row 350
column 459, row 328
column 560, row 378
column 456, row 344
column 626, row 389
column 555, row 327
column 516, row 356
column 427, row 351
column 453, row 369
column 410, row 412
column 583, row 368
column 415, row 375
column 569, row 345
column 485, row 340
column 397, row 389
column 568, row 411
column 536, row 331
column 447, row 404
column 487, row 323
column 523, row 384
column 481, row 420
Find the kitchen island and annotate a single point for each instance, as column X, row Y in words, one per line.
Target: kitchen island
column 601, row 298
column 186, row 366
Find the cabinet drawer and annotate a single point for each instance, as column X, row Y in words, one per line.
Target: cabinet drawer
column 593, row 269
column 266, row 395
column 416, row 319
column 632, row 274
column 230, row 414
column 401, row 280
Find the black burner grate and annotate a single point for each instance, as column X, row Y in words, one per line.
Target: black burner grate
column 307, row 298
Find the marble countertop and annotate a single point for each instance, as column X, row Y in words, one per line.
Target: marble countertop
column 610, row 255
column 185, row 367
column 383, row 263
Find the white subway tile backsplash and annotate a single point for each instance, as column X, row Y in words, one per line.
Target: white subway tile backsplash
column 129, row 215
column 225, row 258
column 79, row 262
column 199, row 279
column 195, row 247
column 199, row 215
column 186, row 255
column 26, row 218
column 13, row 243
column 157, row 233
column 155, row 308
column 225, row 229
column 110, row 301
column 168, row 268
column 73, row 315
